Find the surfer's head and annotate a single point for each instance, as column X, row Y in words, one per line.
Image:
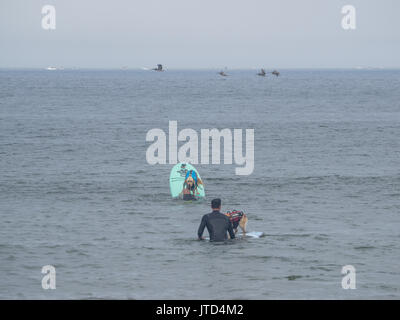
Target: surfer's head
column 216, row 204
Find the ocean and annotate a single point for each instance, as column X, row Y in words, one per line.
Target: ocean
column 77, row 193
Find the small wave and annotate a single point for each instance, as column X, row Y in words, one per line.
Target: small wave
column 364, row 247
column 323, row 268
column 133, row 212
column 255, row 257
column 293, row 277
column 77, row 251
column 321, row 237
column 283, row 235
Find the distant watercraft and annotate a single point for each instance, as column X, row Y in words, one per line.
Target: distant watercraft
column 262, row 73
column 159, row 68
column 221, row 73
column 51, row 68
column 275, row 73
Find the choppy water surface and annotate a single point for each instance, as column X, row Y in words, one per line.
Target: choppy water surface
column 76, row 191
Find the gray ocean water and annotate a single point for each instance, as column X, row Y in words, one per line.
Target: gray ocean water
column 77, row 193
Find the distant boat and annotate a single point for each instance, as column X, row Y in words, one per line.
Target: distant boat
column 221, row 73
column 159, row 68
column 275, row 73
column 51, row 68
column 262, row 73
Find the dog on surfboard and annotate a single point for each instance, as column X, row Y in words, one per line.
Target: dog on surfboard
column 238, row 219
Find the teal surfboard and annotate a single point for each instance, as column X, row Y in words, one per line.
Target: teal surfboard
column 177, row 178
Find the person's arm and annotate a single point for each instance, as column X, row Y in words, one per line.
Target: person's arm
column 230, row 229
column 201, row 227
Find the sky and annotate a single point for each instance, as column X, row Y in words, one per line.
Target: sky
column 192, row 34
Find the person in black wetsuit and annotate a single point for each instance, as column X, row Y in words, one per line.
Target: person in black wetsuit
column 217, row 224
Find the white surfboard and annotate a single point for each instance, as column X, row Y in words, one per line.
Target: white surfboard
column 254, row 234
column 251, row 234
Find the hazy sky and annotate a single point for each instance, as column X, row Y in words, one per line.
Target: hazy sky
column 200, row 34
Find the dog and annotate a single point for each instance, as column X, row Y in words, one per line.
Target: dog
column 238, row 219
column 192, row 181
